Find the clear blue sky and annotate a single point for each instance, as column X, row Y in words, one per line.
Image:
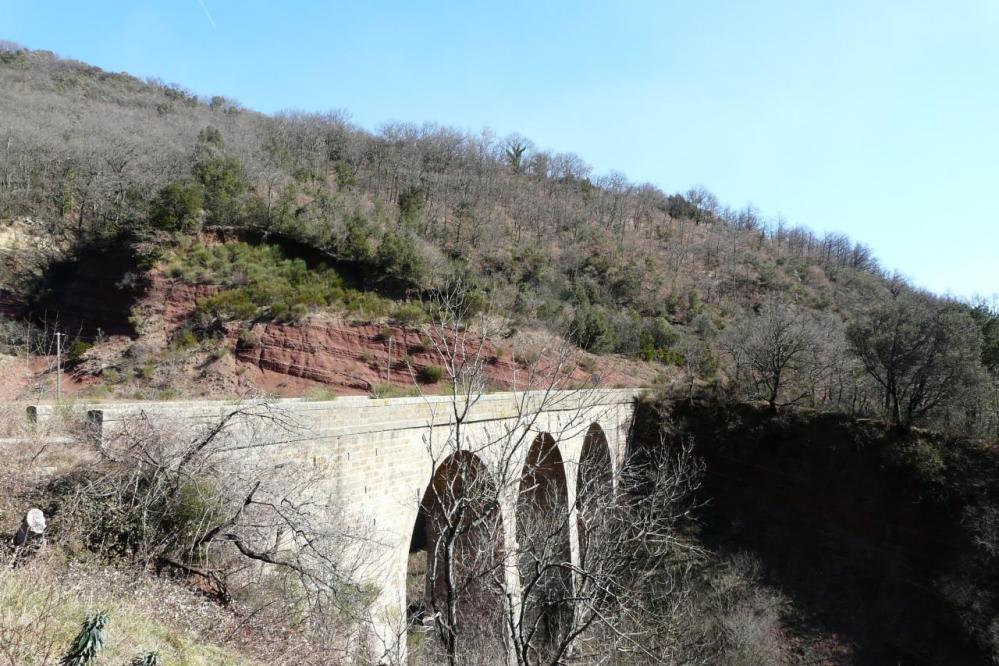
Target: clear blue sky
column 876, row 118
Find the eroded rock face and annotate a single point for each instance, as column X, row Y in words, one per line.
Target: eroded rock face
column 340, row 354
column 353, row 357
column 323, row 351
column 138, row 317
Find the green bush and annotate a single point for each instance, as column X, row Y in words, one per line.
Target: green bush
column 247, row 340
column 259, row 281
column 137, row 514
column 280, row 311
column 177, row 206
column 411, row 201
column 656, row 339
column 224, row 183
column 357, row 244
column 184, row 339
column 473, row 302
column 387, row 390
column 591, row 329
column 409, row 314
column 345, row 174
column 398, row 258
column 77, row 350
column 430, row 374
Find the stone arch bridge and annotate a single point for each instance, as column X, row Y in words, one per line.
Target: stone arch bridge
column 378, row 457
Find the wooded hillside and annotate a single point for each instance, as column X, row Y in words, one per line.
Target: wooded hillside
column 721, row 298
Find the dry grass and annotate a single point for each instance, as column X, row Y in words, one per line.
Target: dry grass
column 43, row 603
column 32, row 455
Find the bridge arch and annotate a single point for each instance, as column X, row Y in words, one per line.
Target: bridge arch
column 456, row 551
column 543, row 537
column 594, row 484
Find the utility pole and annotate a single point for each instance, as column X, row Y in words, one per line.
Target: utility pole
column 388, row 362
column 58, row 367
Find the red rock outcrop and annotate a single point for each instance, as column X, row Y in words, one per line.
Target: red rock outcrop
column 350, row 357
column 283, row 358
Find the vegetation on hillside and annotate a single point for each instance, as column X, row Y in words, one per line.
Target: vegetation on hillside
column 615, row 266
column 259, row 281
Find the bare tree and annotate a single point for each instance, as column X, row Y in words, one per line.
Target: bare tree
column 770, row 347
column 467, row 554
column 490, row 588
column 211, row 501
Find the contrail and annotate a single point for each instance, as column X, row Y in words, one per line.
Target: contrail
column 207, row 13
